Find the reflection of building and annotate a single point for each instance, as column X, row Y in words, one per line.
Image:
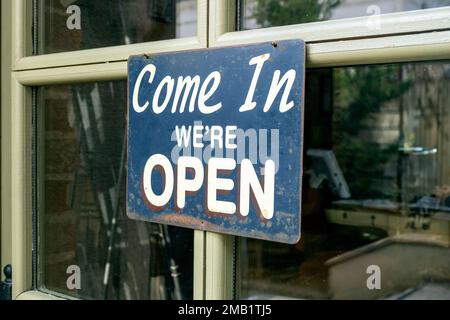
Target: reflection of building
column 417, row 122
column 359, row 8
column 406, row 197
column 406, row 233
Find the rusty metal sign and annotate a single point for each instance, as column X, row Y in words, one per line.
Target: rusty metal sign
column 215, row 139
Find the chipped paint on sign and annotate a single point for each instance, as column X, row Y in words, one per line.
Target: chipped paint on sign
column 215, row 139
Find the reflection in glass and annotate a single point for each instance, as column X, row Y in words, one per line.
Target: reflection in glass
column 83, row 170
column 271, row 13
column 388, row 128
column 67, row 25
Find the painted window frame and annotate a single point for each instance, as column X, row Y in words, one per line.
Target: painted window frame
column 407, row 36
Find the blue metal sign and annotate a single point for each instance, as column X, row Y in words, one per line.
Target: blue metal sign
column 215, row 139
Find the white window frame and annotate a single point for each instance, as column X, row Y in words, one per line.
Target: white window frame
column 406, row 36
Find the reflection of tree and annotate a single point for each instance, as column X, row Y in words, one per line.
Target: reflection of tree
column 363, row 92
column 284, row 12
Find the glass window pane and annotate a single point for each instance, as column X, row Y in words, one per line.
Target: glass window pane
column 82, row 178
column 388, row 127
column 67, row 25
column 271, row 13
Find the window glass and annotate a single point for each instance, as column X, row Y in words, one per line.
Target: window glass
column 376, row 193
column 82, row 171
column 269, row 13
column 67, row 25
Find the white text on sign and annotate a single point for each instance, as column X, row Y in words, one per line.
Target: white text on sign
column 203, row 91
column 189, row 175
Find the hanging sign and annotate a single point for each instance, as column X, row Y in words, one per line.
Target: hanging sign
column 215, row 139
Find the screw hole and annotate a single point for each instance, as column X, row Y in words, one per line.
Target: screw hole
column 274, row 44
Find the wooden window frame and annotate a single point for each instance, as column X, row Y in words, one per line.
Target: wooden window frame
column 406, row 36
